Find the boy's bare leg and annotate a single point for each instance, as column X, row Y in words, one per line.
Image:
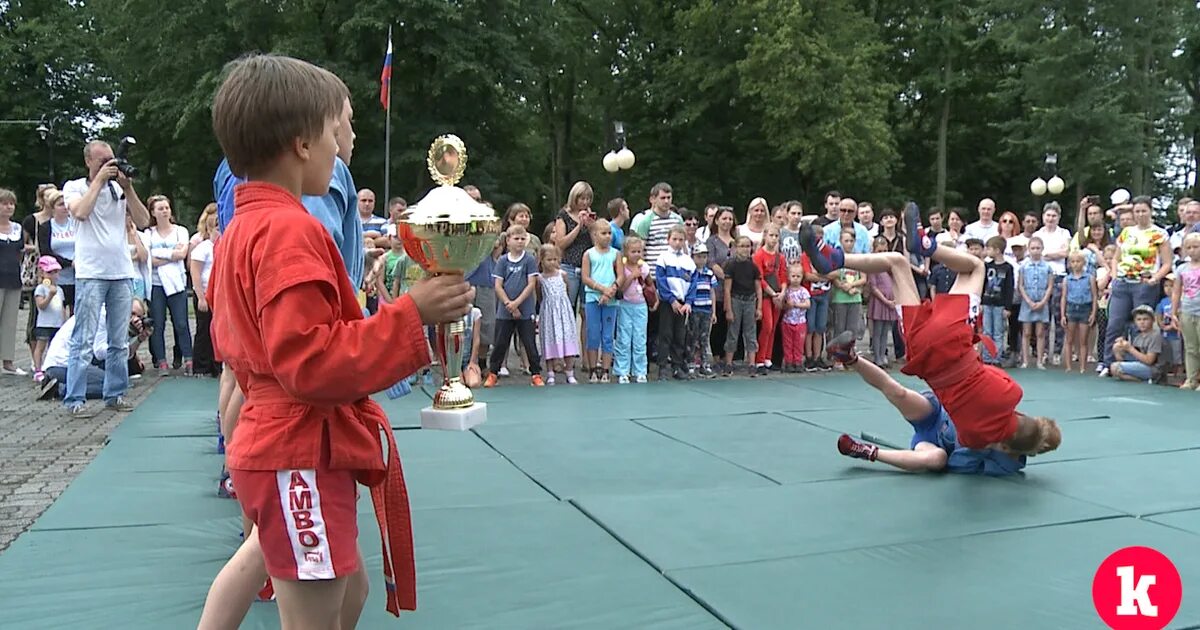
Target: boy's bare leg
column 826, row 259
column 904, row 288
column 970, row 270
column 311, row 604
column 228, row 383
column 926, row 457
column 357, row 588
column 235, row 587
column 911, row 405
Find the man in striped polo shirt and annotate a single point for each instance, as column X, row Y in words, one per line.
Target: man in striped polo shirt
column 653, row 225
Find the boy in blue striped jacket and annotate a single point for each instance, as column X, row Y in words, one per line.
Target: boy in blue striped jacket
column 673, row 273
column 699, row 322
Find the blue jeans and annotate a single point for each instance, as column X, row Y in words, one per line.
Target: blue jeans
column 1122, row 299
column 116, row 296
column 95, row 381
column 601, row 326
column 1060, row 332
column 574, row 282
column 160, row 303
column 993, row 328
column 1136, row 369
column 629, row 355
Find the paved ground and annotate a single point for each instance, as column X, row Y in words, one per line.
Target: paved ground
column 41, row 449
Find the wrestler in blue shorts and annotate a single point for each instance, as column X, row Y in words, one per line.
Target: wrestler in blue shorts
column 934, row 445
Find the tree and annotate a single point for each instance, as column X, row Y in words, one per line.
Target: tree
column 45, row 75
column 814, row 71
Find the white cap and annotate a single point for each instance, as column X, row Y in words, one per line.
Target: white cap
column 1119, row 196
column 1019, row 240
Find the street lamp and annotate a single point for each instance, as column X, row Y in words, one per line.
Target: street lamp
column 1055, row 185
column 620, row 158
column 45, row 130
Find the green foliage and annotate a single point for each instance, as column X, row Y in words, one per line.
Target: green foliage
column 47, row 71
column 725, row 99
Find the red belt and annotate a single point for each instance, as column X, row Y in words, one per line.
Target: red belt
column 390, row 499
column 955, row 372
column 389, row 495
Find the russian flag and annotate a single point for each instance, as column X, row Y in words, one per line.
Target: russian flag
column 385, row 78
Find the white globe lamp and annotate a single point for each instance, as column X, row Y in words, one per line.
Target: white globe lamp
column 625, row 159
column 1055, row 185
column 611, row 162
column 1038, row 187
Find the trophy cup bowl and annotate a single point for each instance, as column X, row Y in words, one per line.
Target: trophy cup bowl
column 448, row 232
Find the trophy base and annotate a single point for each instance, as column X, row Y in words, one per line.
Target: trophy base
column 454, row 419
column 453, row 395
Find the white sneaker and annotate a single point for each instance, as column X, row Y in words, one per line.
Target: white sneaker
column 622, row 380
column 641, row 378
column 503, row 371
column 14, row 371
column 1103, row 373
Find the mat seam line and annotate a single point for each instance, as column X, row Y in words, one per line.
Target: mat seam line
column 518, row 467
column 621, row 541
column 711, row 454
column 809, row 422
column 910, row 542
column 1114, row 456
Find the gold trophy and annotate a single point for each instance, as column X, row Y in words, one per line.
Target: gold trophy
column 448, row 232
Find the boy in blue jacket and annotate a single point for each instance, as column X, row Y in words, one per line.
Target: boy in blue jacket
column 699, row 320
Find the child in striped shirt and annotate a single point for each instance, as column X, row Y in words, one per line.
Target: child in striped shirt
column 699, row 323
column 673, row 272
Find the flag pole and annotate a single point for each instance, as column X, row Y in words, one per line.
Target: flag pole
column 387, row 135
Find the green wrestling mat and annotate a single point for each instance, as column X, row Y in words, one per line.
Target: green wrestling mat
column 704, row 504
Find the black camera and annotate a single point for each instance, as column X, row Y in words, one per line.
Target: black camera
column 139, row 324
column 123, row 165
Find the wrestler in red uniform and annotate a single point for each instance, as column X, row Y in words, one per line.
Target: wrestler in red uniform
column 941, row 335
column 288, row 323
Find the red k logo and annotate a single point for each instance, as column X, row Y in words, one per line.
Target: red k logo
column 1137, row 588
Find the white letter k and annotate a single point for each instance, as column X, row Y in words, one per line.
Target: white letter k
column 1135, row 598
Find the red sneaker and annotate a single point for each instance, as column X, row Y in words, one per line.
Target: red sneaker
column 851, row 447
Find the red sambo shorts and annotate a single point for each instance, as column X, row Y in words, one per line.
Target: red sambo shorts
column 307, row 520
column 980, row 399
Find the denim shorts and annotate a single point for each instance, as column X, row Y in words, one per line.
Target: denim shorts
column 1136, row 369
column 1078, row 313
column 818, row 314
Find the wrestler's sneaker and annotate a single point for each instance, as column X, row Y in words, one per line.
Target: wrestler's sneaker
column 851, row 447
column 919, row 242
column 824, row 257
column 841, row 348
column 267, row 593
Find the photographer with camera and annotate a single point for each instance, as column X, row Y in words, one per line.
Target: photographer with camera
column 57, row 359
column 103, row 270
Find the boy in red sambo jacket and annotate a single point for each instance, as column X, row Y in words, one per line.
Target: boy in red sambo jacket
column 289, row 325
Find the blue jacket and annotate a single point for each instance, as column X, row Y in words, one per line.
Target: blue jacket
column 337, row 210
